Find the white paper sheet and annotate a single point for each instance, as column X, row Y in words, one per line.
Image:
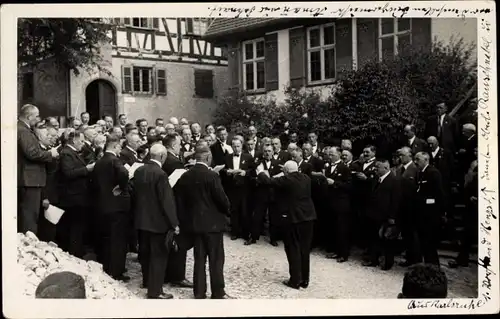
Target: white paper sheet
column 127, row 166
column 279, row 175
column 218, row 168
column 174, row 177
column 53, row 214
column 133, row 168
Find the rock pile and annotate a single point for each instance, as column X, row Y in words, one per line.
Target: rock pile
column 37, row 259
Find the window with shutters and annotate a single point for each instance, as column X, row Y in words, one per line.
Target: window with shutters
column 28, row 87
column 394, row 37
column 204, row 83
column 137, row 80
column 254, row 65
column 321, row 53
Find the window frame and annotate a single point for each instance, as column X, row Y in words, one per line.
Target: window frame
column 192, row 24
column 395, row 35
column 149, row 23
column 254, row 62
column 321, row 48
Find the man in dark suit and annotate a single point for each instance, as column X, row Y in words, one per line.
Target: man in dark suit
column 236, row 174
column 309, row 157
column 381, row 210
column 196, row 131
column 252, row 137
column 187, row 142
column 74, row 193
column 142, row 125
column 442, row 159
column 263, row 198
column 128, row 155
column 407, row 173
column 154, row 216
column 430, row 205
column 468, row 143
column 174, row 161
column 50, row 194
column 317, row 147
column 412, row 141
column 280, row 155
column 31, row 170
column 251, row 148
column 203, row 205
column 304, row 167
column 88, row 149
column 444, row 127
column 338, row 177
column 297, row 210
column 220, row 148
column 111, row 185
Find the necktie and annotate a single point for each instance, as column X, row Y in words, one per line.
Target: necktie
column 439, row 126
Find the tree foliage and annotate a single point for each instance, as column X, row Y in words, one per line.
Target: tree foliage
column 73, row 43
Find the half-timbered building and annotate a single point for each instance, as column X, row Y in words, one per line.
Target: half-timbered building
column 265, row 55
column 160, row 67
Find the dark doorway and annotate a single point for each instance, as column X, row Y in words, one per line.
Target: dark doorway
column 100, row 100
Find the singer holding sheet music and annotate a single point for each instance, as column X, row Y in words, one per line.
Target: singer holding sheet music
column 111, row 185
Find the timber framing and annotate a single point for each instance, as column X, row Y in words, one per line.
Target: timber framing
column 142, row 43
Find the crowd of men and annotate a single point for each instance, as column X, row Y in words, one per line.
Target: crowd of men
column 365, row 201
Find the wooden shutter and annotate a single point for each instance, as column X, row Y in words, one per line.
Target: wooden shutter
column 156, row 24
column 367, row 40
column 421, row 33
column 297, row 57
column 127, row 79
column 161, row 81
column 126, row 21
column 343, row 46
column 189, row 26
column 234, row 65
column 271, row 62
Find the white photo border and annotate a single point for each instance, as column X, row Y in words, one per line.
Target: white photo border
column 15, row 306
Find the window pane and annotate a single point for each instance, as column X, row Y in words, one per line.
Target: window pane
column 329, row 64
column 329, row 35
column 248, row 51
column 144, row 22
column 387, row 26
column 137, row 80
column 403, row 24
column 249, row 76
column 261, row 78
column 161, row 86
column 404, row 43
column 136, row 22
column 387, row 48
column 314, row 40
column 161, row 74
column 260, row 49
column 128, row 84
column 315, row 65
column 145, row 81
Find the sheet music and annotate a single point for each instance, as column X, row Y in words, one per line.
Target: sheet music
column 218, row 168
column 53, row 214
column 279, row 175
column 174, row 177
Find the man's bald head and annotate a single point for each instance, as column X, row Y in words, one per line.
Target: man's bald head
column 174, row 121
column 158, row 152
column 433, row 142
column 30, row 114
column 290, row 167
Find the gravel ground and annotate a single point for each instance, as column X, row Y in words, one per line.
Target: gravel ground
column 257, row 272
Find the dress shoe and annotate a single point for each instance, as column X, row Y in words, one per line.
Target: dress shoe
column 226, row 296
column 274, row 243
column 456, row 264
column 182, row 284
column 304, row 284
column 370, row 264
column 289, row 284
column 123, row 278
column 342, row 259
column 234, row 237
column 332, row 256
column 162, row 296
column 250, row 241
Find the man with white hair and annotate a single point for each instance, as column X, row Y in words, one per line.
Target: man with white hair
column 170, row 129
column 128, row 155
column 31, row 171
column 296, row 208
column 88, row 150
column 416, row 144
column 346, row 145
column 161, row 131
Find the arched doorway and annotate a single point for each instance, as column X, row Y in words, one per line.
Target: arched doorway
column 100, row 99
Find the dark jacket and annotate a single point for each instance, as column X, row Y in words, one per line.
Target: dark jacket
column 235, row 182
column 384, row 200
column 218, row 154
column 74, row 183
column 108, row 173
column 201, row 202
column 418, row 145
column 430, row 197
column 172, row 163
column 449, row 136
column 293, row 195
column 31, row 158
column 154, row 203
column 127, row 156
column 283, row 156
column 88, row 153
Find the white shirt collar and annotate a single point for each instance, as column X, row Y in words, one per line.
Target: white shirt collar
column 423, row 170
column 441, row 118
column 411, row 140
column 300, row 163
column 111, row 152
column 72, row 147
column 43, row 146
column 434, row 153
column 384, row 176
column 26, row 124
column 156, row 161
column 336, row 163
column 407, row 164
column 205, row 164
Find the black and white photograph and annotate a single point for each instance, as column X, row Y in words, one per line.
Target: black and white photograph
column 319, row 158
